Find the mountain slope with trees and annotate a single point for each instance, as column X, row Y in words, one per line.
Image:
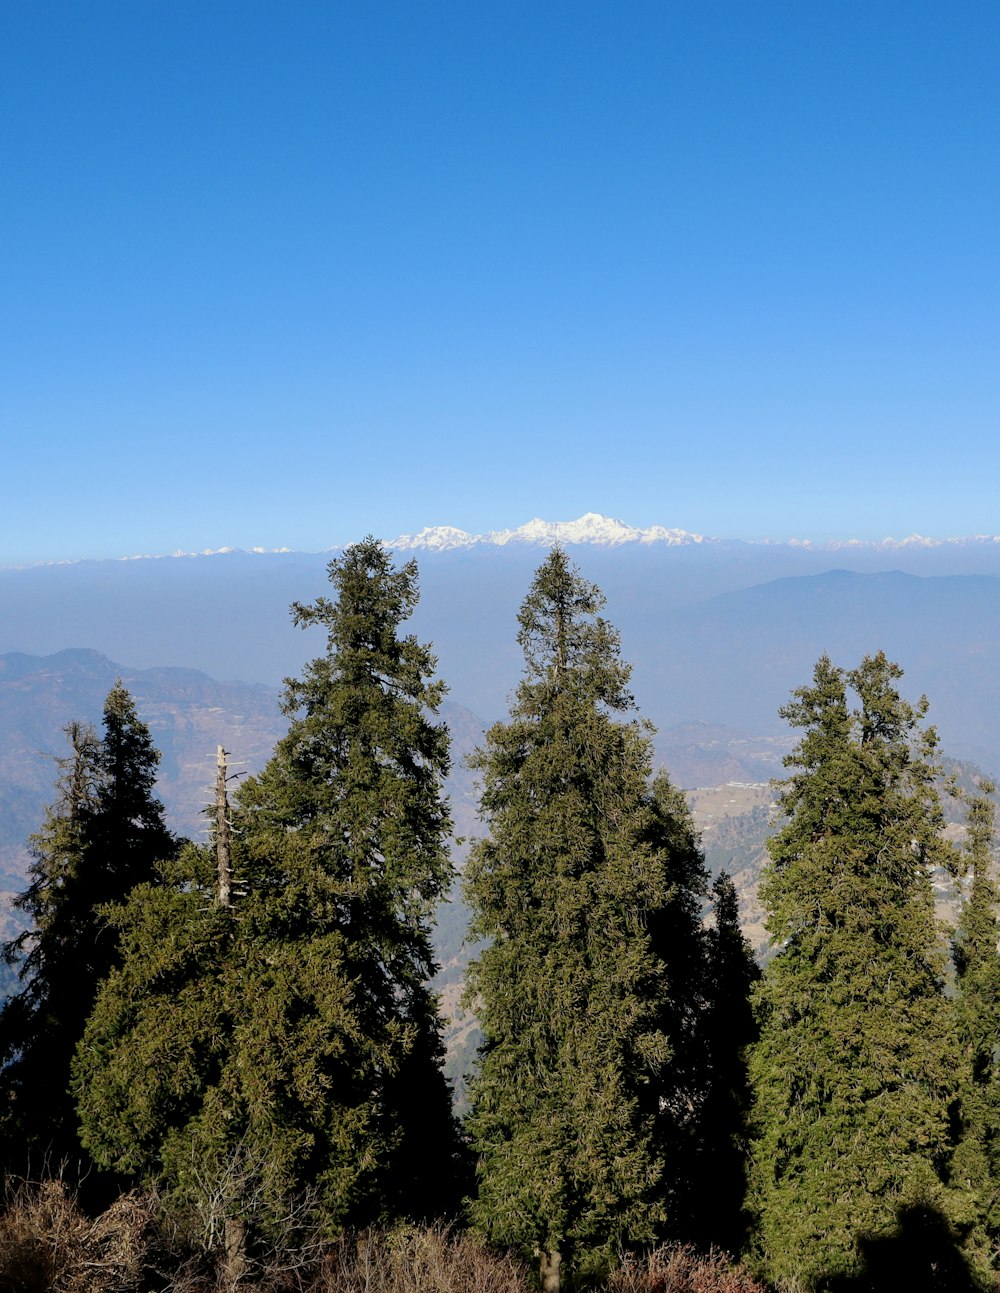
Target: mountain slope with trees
column 257, row 1042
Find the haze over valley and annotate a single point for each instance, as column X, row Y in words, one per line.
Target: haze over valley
column 719, row 632
column 464, row 416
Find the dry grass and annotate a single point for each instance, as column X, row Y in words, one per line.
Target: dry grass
column 47, row 1245
column 417, row 1260
column 679, row 1269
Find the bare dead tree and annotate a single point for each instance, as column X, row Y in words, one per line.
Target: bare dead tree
column 223, row 845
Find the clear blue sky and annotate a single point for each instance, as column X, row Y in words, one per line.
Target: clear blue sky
column 288, row 273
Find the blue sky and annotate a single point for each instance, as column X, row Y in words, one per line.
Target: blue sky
column 286, row 274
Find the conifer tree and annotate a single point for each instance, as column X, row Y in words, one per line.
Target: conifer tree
column 214, row 1053
column 729, row 1030
column 103, row 836
column 586, row 876
column 976, row 1166
column 854, row 1073
column 679, row 945
column 309, row 1039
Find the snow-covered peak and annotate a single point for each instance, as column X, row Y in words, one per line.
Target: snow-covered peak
column 439, row 538
column 890, row 544
column 592, row 527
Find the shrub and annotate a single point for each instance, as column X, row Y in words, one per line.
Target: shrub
column 418, row 1260
column 47, row 1245
column 677, row 1268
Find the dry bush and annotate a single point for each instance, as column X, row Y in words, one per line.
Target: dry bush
column 43, row 1235
column 413, row 1260
column 47, row 1245
column 677, row 1268
column 117, row 1247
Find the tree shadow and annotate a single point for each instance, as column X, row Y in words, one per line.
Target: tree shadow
column 922, row 1255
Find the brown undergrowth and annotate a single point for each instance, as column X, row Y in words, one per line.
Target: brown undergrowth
column 677, row 1268
column 49, row 1245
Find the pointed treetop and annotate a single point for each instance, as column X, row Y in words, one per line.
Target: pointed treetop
column 565, row 640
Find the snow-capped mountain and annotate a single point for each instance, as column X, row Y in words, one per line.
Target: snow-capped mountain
column 717, row 630
column 610, row 532
column 592, row 527
column 896, row 545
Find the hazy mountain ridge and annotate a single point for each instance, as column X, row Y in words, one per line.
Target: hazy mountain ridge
column 590, row 529
column 736, row 657
column 726, row 774
column 188, row 713
column 718, row 639
column 716, row 634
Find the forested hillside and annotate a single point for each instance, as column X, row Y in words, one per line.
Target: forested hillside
column 232, row 1039
column 717, row 632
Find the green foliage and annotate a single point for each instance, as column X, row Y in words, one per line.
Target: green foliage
column 290, row 1045
column 976, row 1165
column 677, row 889
column 587, row 991
column 103, row 836
column 225, row 1061
column 729, row 1029
column 855, row 1071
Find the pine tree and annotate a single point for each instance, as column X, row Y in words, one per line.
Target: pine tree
column 355, row 793
column 103, row 836
column 976, row 1166
column 213, row 1055
column 729, row 1029
column 310, row 1043
column 587, row 1036
column 854, row 1073
column 679, row 945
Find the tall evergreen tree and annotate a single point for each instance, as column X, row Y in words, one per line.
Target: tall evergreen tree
column 584, row 889
column 855, row 1070
column 976, row 1166
column 312, row 1062
column 102, row 837
column 679, row 944
column 729, row 1030
column 214, row 1054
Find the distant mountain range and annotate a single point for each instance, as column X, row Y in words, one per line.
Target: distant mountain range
column 593, row 529
column 718, row 632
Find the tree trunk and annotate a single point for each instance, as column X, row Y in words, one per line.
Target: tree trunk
column 234, row 1253
column 549, row 1264
column 223, row 851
